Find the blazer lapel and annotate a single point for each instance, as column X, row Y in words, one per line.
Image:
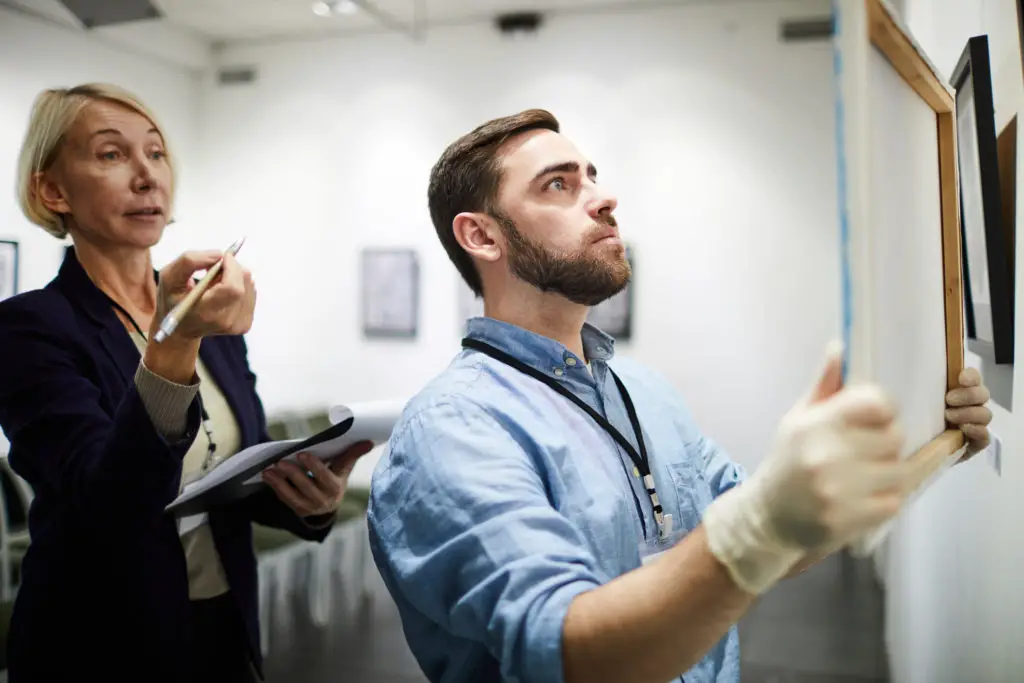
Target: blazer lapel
column 83, row 292
column 213, row 353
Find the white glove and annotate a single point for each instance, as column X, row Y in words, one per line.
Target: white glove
column 835, row 473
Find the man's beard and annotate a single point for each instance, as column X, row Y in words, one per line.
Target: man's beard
column 587, row 276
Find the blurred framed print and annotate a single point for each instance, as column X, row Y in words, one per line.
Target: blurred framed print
column 390, row 293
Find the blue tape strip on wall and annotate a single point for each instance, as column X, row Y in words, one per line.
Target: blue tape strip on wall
column 844, row 217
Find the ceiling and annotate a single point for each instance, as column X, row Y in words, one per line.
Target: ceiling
column 230, row 21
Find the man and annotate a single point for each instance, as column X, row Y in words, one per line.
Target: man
column 548, row 512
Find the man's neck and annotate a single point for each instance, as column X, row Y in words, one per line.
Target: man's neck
column 549, row 315
column 124, row 274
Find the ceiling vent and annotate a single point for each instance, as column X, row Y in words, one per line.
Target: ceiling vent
column 519, row 22
column 97, row 13
column 803, row 30
column 236, row 75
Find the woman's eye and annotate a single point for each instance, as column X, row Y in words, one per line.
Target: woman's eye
column 159, row 154
column 109, row 155
column 557, row 184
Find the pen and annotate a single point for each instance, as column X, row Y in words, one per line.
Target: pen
column 171, row 320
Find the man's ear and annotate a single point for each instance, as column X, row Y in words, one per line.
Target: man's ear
column 50, row 193
column 478, row 235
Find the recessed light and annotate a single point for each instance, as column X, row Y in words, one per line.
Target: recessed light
column 333, row 7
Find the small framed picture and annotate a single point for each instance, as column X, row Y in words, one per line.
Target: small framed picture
column 986, row 258
column 614, row 316
column 390, row 283
column 8, row 268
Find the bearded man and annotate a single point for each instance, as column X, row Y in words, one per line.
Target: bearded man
column 547, row 511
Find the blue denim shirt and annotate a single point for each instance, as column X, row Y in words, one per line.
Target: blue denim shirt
column 499, row 501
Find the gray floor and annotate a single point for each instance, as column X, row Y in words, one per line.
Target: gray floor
column 825, row 626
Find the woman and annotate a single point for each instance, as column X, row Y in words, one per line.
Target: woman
column 106, row 425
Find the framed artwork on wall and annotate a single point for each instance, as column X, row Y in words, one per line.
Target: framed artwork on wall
column 390, row 293
column 985, row 250
column 615, row 315
column 8, row 268
column 899, row 230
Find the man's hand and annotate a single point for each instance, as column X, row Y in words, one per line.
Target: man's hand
column 834, row 473
column 966, row 409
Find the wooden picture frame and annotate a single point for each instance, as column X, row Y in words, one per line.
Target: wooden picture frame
column 869, row 44
column 987, row 268
column 390, row 293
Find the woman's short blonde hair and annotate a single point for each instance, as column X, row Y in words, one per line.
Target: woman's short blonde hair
column 53, row 113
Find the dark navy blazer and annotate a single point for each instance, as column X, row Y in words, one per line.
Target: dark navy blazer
column 104, row 588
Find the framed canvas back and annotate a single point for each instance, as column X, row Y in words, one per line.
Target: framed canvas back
column 900, row 226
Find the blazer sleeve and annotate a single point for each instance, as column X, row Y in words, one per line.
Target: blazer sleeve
column 265, row 507
column 116, row 472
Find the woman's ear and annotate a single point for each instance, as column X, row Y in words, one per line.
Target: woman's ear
column 50, row 193
column 477, row 235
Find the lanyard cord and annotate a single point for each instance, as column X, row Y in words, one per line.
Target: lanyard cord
column 640, row 459
column 211, row 449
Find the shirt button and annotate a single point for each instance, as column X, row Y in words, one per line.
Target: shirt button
column 558, row 372
column 636, row 472
column 570, row 361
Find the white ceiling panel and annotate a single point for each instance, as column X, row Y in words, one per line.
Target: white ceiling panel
column 227, row 21
column 234, row 20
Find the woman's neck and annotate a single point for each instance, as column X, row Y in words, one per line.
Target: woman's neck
column 123, row 274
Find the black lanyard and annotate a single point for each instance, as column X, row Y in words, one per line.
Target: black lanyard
column 211, row 448
column 640, row 459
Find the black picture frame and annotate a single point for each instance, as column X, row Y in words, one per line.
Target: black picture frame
column 614, row 316
column 988, row 279
column 9, row 266
column 390, row 293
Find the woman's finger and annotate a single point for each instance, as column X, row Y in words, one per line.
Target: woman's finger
column 299, row 478
column 288, row 495
column 322, row 475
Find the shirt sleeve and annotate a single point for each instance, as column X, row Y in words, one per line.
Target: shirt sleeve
column 461, row 521
column 721, row 472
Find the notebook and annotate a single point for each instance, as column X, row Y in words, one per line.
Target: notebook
column 239, row 475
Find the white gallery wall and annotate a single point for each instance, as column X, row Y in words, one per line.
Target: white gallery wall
column 716, row 137
column 955, row 601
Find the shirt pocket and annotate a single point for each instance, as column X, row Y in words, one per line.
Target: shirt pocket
column 693, row 494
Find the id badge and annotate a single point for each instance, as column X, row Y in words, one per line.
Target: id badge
column 191, row 523
column 652, row 549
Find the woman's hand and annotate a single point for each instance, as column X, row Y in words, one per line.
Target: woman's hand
column 314, row 488
column 225, row 308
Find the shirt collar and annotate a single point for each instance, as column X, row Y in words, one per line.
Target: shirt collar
column 541, row 352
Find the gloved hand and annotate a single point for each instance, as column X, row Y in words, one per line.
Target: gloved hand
column 834, row 473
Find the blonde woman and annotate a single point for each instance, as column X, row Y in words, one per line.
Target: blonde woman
column 105, row 424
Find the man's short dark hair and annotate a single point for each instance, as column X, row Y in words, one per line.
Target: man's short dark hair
column 467, row 178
